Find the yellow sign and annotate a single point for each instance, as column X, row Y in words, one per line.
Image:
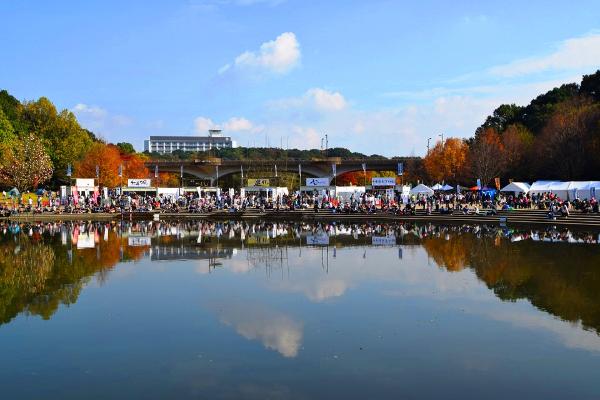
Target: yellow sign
column 259, row 182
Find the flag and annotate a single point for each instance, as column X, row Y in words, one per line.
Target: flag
column 156, row 171
column 400, row 169
column 217, row 172
column 479, row 183
column 334, row 169
column 97, row 171
column 497, row 182
column 364, row 168
column 242, row 171
column 300, row 169
column 181, row 171
column 276, row 170
column 69, row 170
column 121, row 170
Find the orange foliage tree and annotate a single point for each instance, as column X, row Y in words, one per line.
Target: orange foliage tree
column 448, row 160
column 108, row 158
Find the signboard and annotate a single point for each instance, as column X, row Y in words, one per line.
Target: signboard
column 400, row 169
column 383, row 240
column 259, row 182
column 383, row 181
column 83, row 184
column 140, row 183
column 317, row 181
column 317, row 240
column 137, row 241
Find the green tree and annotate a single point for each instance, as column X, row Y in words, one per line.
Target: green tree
column 7, row 132
column 126, row 148
column 590, row 85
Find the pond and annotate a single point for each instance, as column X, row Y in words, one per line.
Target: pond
column 260, row 310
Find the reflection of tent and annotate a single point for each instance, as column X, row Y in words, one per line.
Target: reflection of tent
column 437, row 186
column 516, row 187
column 14, row 192
column 40, row 191
column 421, row 189
column 447, row 187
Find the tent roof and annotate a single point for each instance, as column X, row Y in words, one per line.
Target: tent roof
column 437, row 186
column 421, row 189
column 548, row 186
column 519, row 187
column 447, row 187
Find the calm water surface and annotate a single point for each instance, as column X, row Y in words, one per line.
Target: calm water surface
column 292, row 311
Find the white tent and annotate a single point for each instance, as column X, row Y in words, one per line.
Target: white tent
column 421, row 189
column 560, row 189
column 447, row 187
column 516, row 187
column 583, row 190
column 437, row 186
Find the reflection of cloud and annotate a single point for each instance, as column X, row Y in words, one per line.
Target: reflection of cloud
column 275, row 330
column 572, row 335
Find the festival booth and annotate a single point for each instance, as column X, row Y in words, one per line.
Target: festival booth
column 169, row 193
column 345, row 193
column 382, row 186
column 318, row 186
column 143, row 186
column 205, row 191
column 447, row 188
column 421, row 190
column 263, row 188
column 516, row 188
column 84, row 188
column 437, row 187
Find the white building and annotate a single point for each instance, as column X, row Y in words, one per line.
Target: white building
column 168, row 144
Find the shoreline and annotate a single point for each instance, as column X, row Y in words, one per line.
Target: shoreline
column 515, row 217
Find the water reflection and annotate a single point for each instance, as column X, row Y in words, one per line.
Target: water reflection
column 43, row 266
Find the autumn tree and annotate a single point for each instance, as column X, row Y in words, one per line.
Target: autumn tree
column 26, row 165
column 108, row 158
column 569, row 139
column 517, row 141
column 447, row 160
column 487, row 155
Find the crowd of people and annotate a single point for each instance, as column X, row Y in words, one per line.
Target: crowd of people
column 471, row 202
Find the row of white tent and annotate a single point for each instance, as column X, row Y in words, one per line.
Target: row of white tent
column 570, row 190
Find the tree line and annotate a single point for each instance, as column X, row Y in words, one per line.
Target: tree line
column 555, row 136
column 39, row 144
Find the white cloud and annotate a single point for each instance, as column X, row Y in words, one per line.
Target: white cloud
column 276, row 56
column 233, row 124
column 237, row 124
column 317, row 99
column 327, row 101
column 571, row 54
column 101, row 122
column 203, row 124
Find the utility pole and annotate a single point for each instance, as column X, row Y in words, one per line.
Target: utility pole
column 326, row 145
column 442, row 136
column 428, row 140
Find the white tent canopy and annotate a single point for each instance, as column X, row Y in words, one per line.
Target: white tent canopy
column 447, row 187
column 567, row 190
column 437, row 186
column 421, row 189
column 517, row 187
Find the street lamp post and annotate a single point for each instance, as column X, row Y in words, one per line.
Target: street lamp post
column 428, row 140
column 442, row 136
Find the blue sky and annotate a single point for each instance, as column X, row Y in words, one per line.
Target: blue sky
column 377, row 76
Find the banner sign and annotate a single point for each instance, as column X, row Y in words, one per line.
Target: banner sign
column 479, row 183
column 259, row 182
column 497, row 182
column 317, row 240
column 383, row 181
column 383, row 240
column 137, row 241
column 140, row 183
column 400, row 169
column 317, row 181
column 84, row 183
column 334, row 169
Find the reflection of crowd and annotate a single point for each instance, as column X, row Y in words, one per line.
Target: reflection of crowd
column 291, row 230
